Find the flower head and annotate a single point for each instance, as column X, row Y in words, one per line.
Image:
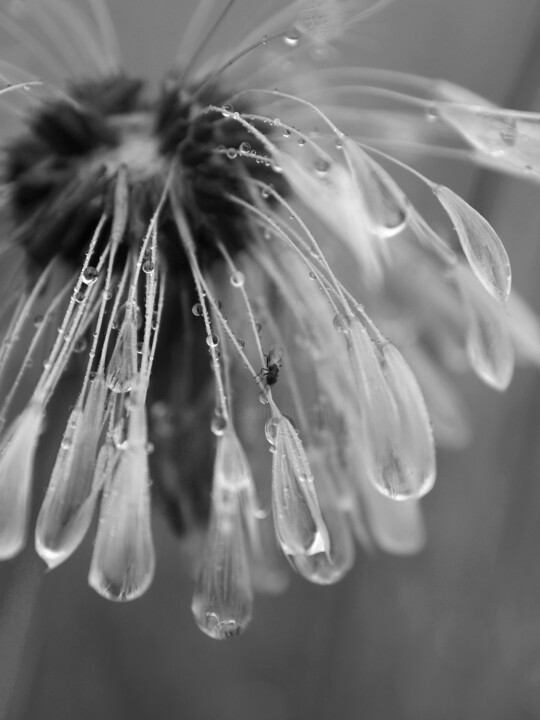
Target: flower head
column 178, row 252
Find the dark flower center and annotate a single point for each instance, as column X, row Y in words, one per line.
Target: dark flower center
column 61, row 171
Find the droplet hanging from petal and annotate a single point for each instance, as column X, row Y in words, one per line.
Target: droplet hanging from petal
column 489, row 345
column 17, row 451
column 123, row 560
column 298, row 521
column 330, row 565
column 410, row 470
column 69, row 503
column 481, row 244
column 223, row 598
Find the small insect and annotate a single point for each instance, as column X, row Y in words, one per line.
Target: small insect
column 274, row 361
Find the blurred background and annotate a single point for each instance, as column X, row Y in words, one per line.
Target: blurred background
column 451, row 633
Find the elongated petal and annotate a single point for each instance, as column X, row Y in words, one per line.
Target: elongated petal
column 122, row 367
column 298, row 521
column 68, row 507
column 223, row 598
column 489, row 344
column 386, row 206
column 410, row 472
column 481, row 244
column 123, row 561
column 17, row 452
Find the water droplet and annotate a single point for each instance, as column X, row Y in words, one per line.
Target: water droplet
column 245, row 147
column 237, row 279
column 432, row 113
column 271, row 429
column 212, row 341
column 322, row 166
column 242, row 343
column 227, row 110
column 339, row 143
column 38, row 319
column 140, row 348
column 264, row 39
column 341, row 322
column 258, row 327
column 232, row 153
column 301, row 141
column 148, row 266
column 312, row 275
column 265, row 193
column 292, row 38
column 218, row 425
column 80, row 345
column 286, row 132
column 80, row 296
column 197, row 310
column 90, row 275
column 263, row 397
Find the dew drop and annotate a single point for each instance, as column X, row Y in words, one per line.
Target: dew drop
column 245, row 147
column 237, row 279
column 301, row 141
column 286, row 132
column 38, row 319
column 90, row 275
column 197, row 310
column 341, row 323
column 271, row 429
column 292, row 38
column 218, row 425
column 80, row 345
column 322, row 167
column 80, row 297
column 432, row 113
column 212, row 341
column 232, row 153
column 148, row 266
column 263, row 397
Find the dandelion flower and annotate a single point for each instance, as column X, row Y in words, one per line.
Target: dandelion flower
column 174, row 254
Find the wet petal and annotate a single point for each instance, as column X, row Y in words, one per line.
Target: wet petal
column 327, row 567
column 298, row 521
column 122, row 367
column 17, row 452
column 489, row 344
column 123, row 560
column 223, row 598
column 481, row 244
column 69, row 503
column 411, row 469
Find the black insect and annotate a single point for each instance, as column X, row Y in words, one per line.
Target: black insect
column 274, row 361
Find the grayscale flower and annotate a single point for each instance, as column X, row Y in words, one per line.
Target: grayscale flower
column 178, row 253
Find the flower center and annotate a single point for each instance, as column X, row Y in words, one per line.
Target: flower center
column 61, row 171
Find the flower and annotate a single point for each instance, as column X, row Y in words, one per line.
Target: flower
column 178, row 250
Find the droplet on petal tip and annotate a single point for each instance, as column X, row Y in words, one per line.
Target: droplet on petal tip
column 481, row 244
